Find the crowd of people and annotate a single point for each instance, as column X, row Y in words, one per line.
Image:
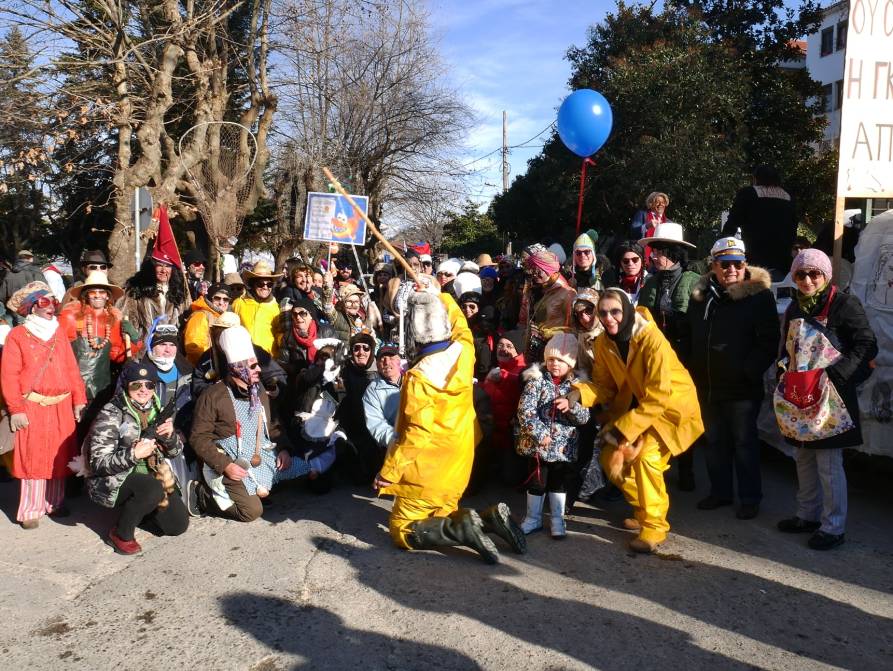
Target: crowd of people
column 565, row 377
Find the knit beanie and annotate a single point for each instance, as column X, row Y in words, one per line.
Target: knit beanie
column 584, row 242
column 429, row 318
column 558, row 251
column 812, row 259
column 516, row 337
column 562, row 346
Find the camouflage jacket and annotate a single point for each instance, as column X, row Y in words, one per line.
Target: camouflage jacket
column 108, row 450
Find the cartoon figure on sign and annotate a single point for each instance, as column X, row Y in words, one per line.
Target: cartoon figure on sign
column 881, row 286
column 344, row 228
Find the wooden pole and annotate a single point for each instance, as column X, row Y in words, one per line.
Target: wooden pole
column 370, row 225
column 838, row 238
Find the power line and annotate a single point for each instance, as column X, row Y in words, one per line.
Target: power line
column 514, row 146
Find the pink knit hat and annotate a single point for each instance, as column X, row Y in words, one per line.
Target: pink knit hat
column 812, row 259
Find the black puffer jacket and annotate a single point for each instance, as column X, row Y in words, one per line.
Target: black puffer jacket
column 735, row 341
column 850, row 332
column 291, row 355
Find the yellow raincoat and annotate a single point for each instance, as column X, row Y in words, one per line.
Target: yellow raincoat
column 258, row 319
column 666, row 415
column 430, row 462
column 197, row 336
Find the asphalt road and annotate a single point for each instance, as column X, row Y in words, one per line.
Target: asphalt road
column 316, row 584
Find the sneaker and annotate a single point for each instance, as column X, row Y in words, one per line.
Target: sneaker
column 121, row 546
column 747, row 511
column 713, row 502
column 194, row 499
column 824, row 541
column 795, row 525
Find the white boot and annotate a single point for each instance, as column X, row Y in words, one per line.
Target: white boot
column 556, row 505
column 534, row 519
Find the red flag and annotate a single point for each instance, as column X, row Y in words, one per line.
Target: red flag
column 165, row 247
column 422, row 247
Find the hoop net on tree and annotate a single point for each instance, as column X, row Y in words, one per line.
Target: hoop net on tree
column 222, row 182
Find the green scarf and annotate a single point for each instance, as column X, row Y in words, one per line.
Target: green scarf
column 809, row 303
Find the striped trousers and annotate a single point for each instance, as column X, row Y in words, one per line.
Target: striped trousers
column 39, row 497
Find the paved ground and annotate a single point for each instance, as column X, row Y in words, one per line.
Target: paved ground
column 317, row 585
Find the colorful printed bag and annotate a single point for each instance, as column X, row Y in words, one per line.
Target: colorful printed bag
column 808, row 406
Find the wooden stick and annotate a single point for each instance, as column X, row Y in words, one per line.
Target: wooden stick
column 370, row 225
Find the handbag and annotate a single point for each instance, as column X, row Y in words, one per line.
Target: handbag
column 807, row 405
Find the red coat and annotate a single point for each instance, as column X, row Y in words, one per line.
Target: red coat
column 503, row 386
column 43, row 448
column 71, row 320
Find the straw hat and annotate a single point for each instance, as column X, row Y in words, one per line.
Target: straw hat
column 668, row 232
column 484, row 260
column 261, row 271
column 99, row 280
column 226, row 320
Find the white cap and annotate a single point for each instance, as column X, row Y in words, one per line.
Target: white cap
column 466, row 282
column 236, row 344
column 425, row 258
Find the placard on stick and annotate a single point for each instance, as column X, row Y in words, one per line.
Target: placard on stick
column 330, row 218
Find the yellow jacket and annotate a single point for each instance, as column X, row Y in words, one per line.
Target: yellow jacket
column 258, row 319
column 665, row 394
column 197, row 337
column 436, row 426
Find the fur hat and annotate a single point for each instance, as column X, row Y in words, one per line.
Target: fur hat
column 236, row 344
column 429, row 318
column 466, row 282
column 562, row 346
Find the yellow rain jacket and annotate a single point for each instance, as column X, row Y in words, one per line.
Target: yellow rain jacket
column 258, row 319
column 197, row 337
column 665, row 394
column 437, row 429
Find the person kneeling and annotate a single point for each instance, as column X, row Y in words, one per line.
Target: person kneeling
column 428, row 465
column 244, row 453
column 125, row 455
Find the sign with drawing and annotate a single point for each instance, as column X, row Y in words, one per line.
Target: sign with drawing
column 866, row 115
column 880, row 286
column 331, row 218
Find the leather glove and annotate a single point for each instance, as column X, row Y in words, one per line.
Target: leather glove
column 18, row 421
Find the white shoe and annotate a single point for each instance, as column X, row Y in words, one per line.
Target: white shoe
column 556, row 506
column 534, row 519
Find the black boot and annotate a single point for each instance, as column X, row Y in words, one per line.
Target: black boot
column 498, row 520
column 463, row 527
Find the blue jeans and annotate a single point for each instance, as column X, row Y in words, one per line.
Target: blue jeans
column 821, row 491
column 731, row 432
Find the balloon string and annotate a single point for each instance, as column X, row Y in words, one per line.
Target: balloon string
column 586, row 161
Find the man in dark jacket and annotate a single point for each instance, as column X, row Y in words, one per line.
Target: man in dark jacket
column 765, row 214
column 23, row 272
column 734, row 339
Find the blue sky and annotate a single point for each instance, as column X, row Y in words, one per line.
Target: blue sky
column 509, row 55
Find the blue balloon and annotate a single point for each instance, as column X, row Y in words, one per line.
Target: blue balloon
column 584, row 122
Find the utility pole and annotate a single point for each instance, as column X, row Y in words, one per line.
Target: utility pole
column 505, row 152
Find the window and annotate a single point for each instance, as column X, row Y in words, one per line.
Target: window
column 828, row 98
column 841, row 36
column 827, row 41
column 838, row 90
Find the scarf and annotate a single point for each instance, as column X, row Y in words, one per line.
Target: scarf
column 40, row 328
column 808, row 304
column 631, row 283
column 162, row 363
column 240, row 370
column 513, row 366
column 625, row 332
column 306, row 341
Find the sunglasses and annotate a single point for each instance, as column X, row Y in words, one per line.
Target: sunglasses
column 359, row 347
column 254, row 366
column 220, row 298
column 427, row 263
column 166, row 329
column 197, row 264
column 443, row 274
column 588, row 309
column 97, row 266
column 264, row 283
column 141, row 384
column 46, row 301
column 97, row 293
column 814, row 275
column 725, row 265
column 630, row 259
column 303, row 314
column 615, row 313
column 582, row 252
